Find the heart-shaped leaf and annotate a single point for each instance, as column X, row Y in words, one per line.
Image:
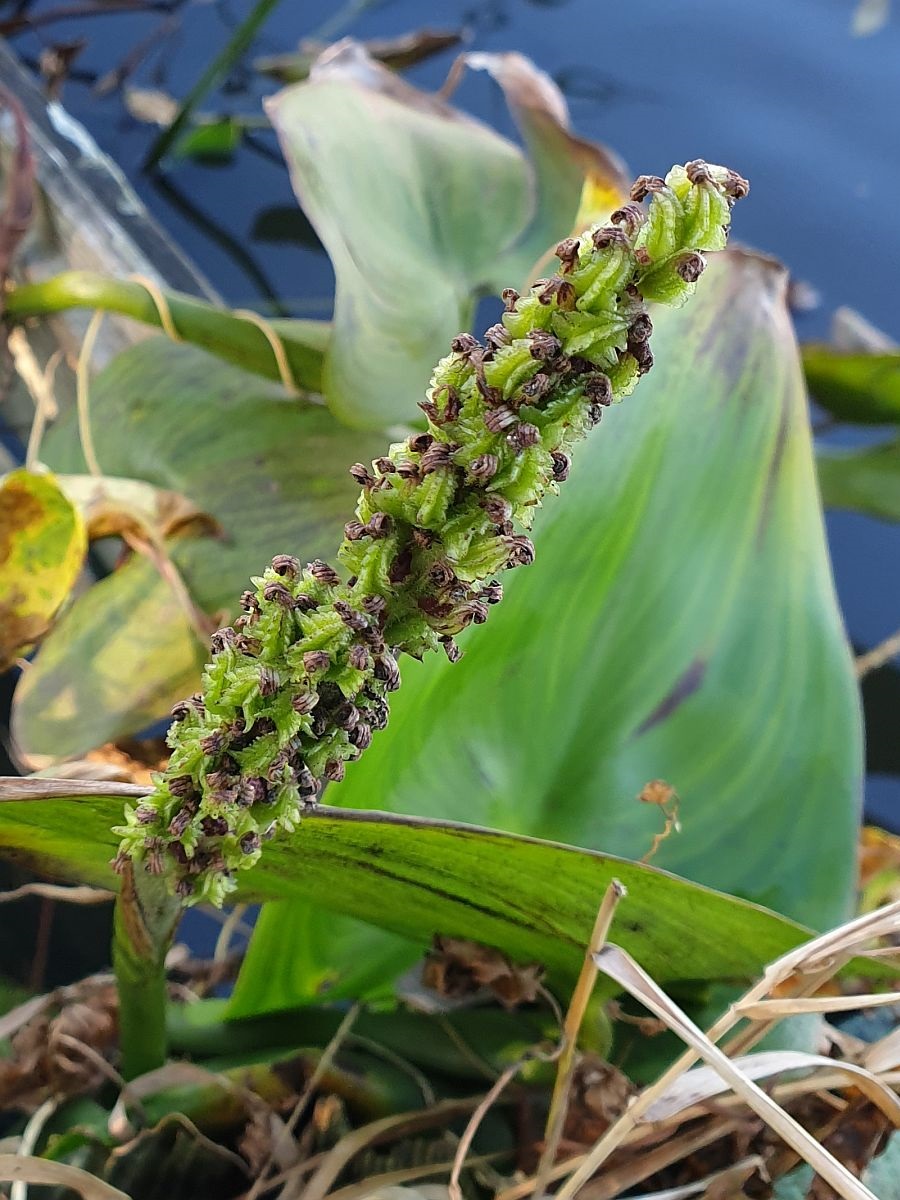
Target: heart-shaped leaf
column 42, row 546
column 680, row 622
column 417, row 877
column 269, row 469
column 450, row 209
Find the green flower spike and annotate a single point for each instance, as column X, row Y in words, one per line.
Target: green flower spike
column 297, row 687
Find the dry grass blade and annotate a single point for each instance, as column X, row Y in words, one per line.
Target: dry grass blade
column 620, row 967
column 581, row 996
column 465, row 1142
column 702, row 1083
column 730, row 1178
column 883, row 1055
column 375, row 1183
column 55, row 1174
column 764, row 1010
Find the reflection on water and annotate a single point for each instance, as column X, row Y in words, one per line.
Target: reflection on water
column 783, row 92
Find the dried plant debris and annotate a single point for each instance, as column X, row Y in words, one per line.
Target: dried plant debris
column 297, row 688
column 457, row 967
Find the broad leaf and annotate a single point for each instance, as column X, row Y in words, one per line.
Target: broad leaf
column 42, row 546
column 415, row 877
column 420, row 209
column 269, row 469
column 859, row 387
column 866, row 480
column 679, row 623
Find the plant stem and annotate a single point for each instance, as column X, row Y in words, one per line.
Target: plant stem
column 146, row 917
column 221, row 64
column 233, row 338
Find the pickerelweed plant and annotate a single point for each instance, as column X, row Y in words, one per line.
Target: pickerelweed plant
column 297, row 686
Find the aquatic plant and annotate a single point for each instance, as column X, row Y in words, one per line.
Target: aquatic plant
column 296, row 688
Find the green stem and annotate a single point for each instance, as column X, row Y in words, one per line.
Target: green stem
column 221, row 64
column 224, row 334
column 146, row 917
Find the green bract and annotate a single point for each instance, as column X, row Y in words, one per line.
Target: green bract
column 296, row 688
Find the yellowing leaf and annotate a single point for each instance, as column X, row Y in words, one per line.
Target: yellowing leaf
column 42, row 545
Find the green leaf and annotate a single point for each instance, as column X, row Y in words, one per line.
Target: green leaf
column 416, row 877
column 210, row 139
column 866, row 481
column 270, row 469
column 42, row 547
column 679, row 623
column 421, row 208
column 859, row 387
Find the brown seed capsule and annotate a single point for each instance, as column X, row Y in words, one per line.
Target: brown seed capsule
column 698, row 171
column 441, row 575
column 269, row 681
column 223, row 787
column 437, row 456
column 250, row 842
column 358, row 657
column 352, row 619
column 544, row 346
column 334, row 771
column 509, row 296
column 286, row 565
column 303, row 602
column 451, row 649
column 346, row 715
column 561, row 465
column 184, row 888
column 497, row 336
column 145, row 815
column 254, row 790
column 610, row 235
column 484, row 467
column 250, row 646
column 181, row 710
column 497, row 508
column 377, row 713
column 387, row 671
column 213, row 743
column 153, row 862
column 323, row 573
column 632, row 216
column 374, row 605
column 523, row 435
column 407, row 469
column 736, row 186
column 418, row 443
column 354, row 530
column 249, row 602
column 182, row 820
column 498, row 419
column 473, row 612
column 642, row 354
column 644, row 185
column 379, row 525
column 214, row 826
column 360, row 736
column 537, row 386
column 315, row 661
column 307, row 784
column 567, row 253
column 221, row 639
column 492, row 593
column 384, row 466
column 521, row 551
column 304, row 702
column 277, row 593
column 641, row 327
column 598, row 390
column 642, row 256
column 401, row 566
column 430, row 409
column 182, row 786
column 464, row 343
column 690, row 267
column 362, row 475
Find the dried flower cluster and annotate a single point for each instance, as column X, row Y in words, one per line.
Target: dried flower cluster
column 300, row 683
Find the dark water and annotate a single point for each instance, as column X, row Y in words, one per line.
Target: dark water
column 781, row 91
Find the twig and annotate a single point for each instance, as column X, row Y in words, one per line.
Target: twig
column 878, row 656
column 229, row 926
column 58, row 891
column 559, row 1102
column 487, row 1102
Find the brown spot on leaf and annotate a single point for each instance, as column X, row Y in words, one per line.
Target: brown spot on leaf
column 18, row 509
column 684, row 687
column 457, row 967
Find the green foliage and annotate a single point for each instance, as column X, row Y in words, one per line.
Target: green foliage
column 42, row 547
column 451, row 210
column 859, row 387
column 416, row 877
column 866, row 480
column 296, row 688
column 270, row 469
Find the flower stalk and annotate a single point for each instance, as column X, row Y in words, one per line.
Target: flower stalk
column 297, row 687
